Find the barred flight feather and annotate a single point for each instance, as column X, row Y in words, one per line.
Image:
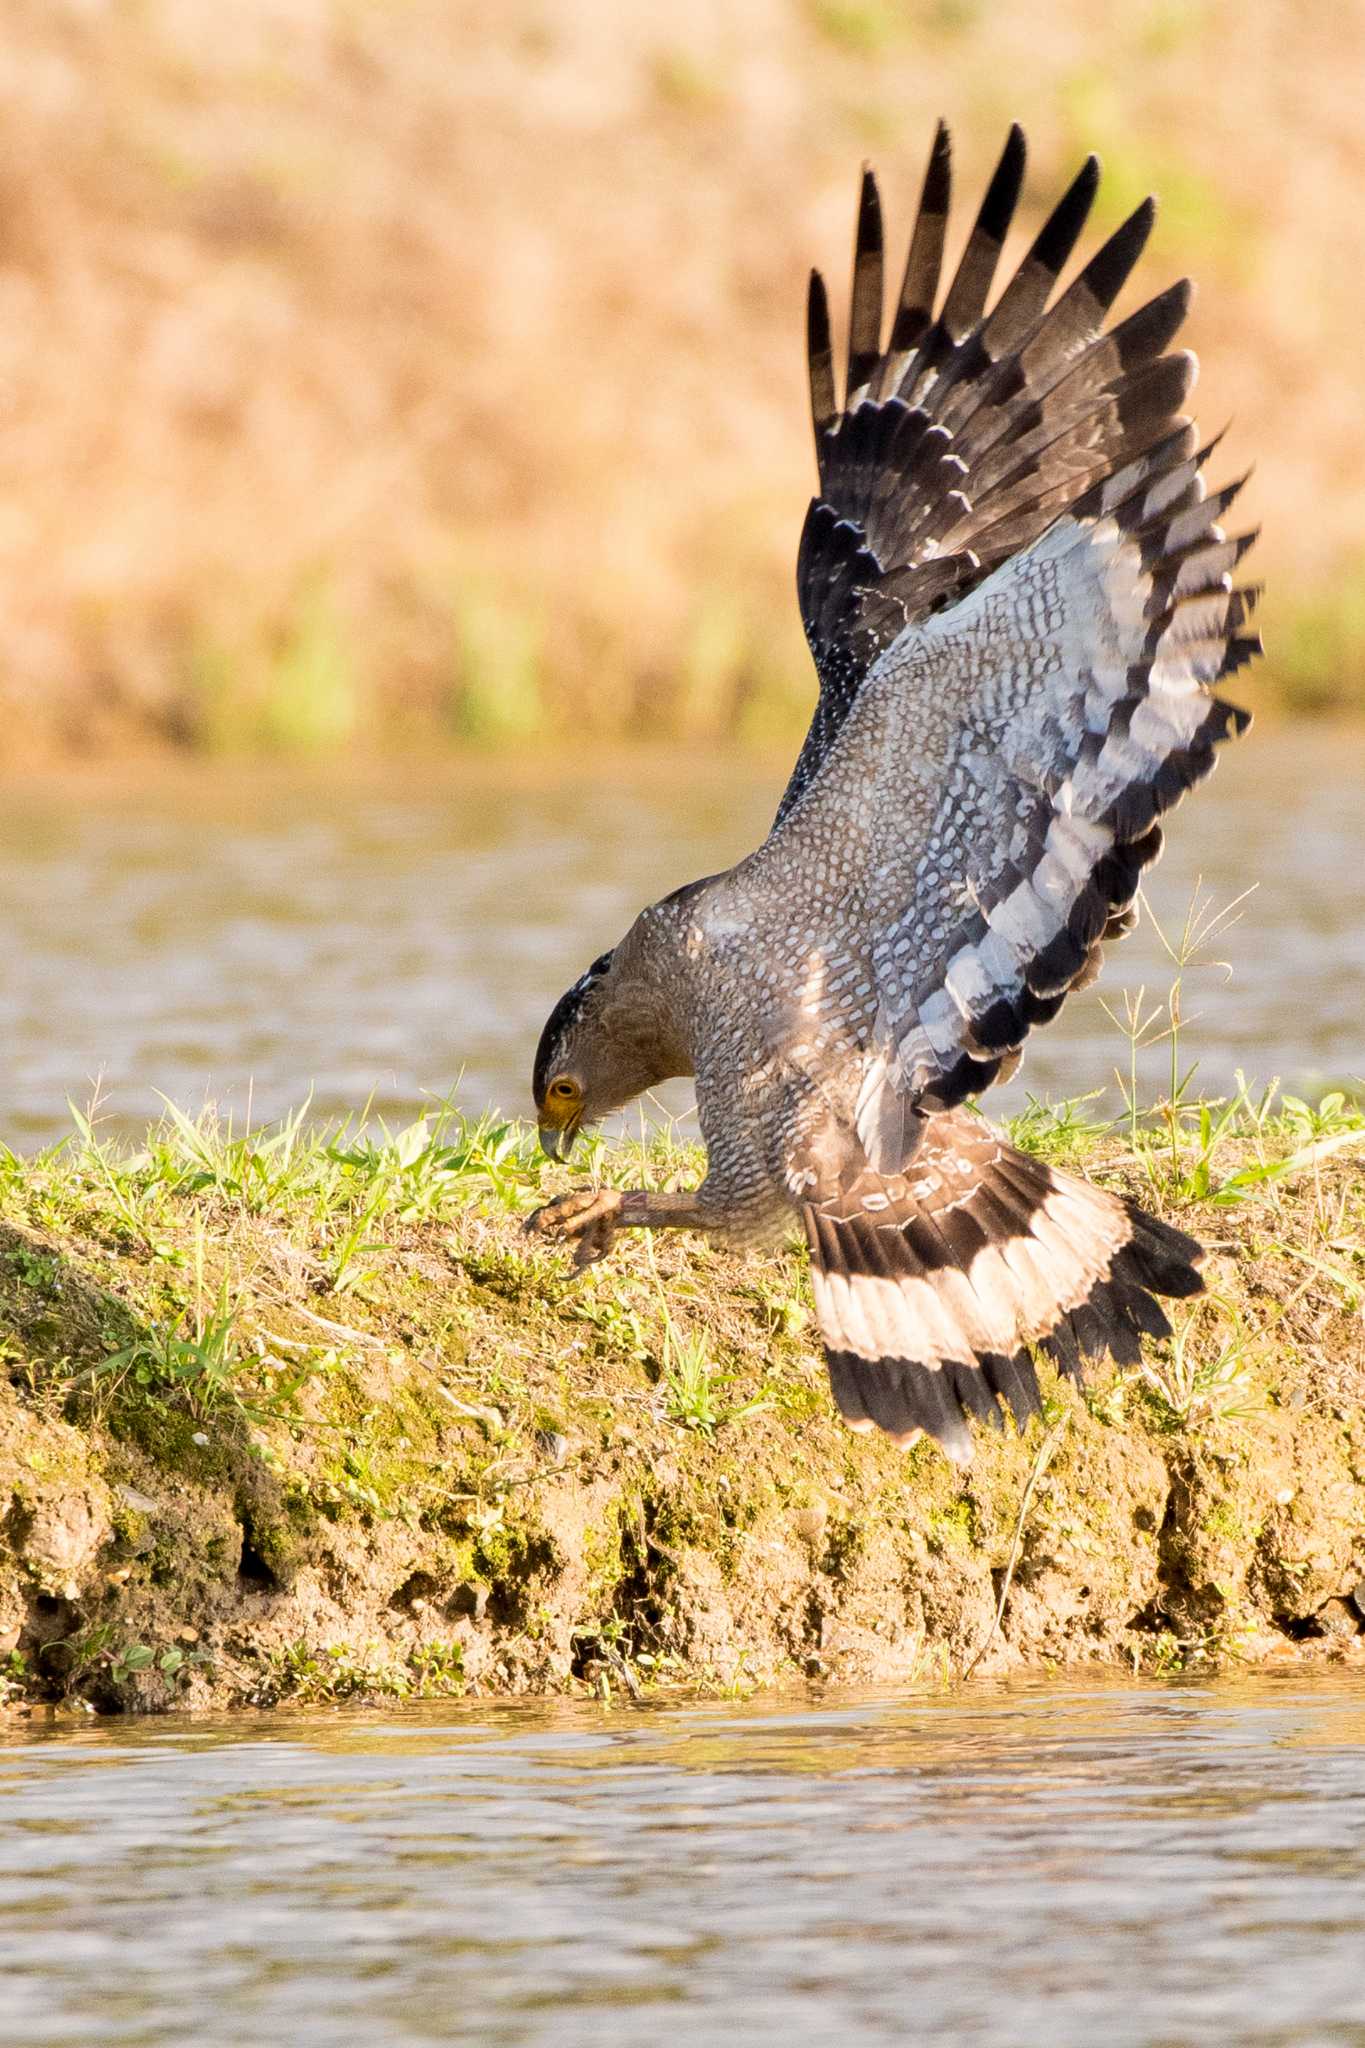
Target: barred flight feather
column 930, row 1291
column 962, row 440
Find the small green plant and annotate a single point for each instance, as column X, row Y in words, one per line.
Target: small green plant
column 689, row 1382
column 691, row 1386
column 1171, row 1655
column 416, row 1174
column 38, row 1271
column 1059, row 1130
column 132, row 1658
column 134, row 1201
column 1165, row 1021
column 782, row 1309
column 614, row 1318
column 199, row 1361
column 305, row 1673
column 16, row 1678
column 345, row 1272
column 262, row 1171
column 1195, row 1384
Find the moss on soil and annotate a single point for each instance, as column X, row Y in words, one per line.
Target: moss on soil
column 308, row 1417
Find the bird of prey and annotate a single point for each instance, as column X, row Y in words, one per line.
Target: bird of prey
column 1019, row 597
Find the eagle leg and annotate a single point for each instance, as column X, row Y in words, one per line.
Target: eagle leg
column 591, row 1217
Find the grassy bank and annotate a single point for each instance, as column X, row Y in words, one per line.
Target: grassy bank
column 303, row 1415
column 493, row 424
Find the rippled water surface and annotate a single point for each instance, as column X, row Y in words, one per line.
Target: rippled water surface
column 1132, row 1867
column 249, row 935
column 252, row 934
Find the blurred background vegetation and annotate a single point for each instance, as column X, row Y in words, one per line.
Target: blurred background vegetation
column 371, row 369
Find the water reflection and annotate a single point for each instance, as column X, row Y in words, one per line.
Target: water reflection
column 249, row 935
column 999, row 1866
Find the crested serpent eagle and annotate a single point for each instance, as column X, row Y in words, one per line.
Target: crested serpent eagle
column 1019, row 596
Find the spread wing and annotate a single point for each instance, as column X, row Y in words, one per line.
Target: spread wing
column 962, row 435
column 1082, row 679
column 990, row 758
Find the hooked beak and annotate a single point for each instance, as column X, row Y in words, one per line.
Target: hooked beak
column 557, row 1143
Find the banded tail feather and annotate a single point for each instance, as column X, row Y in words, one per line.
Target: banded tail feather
column 932, row 1285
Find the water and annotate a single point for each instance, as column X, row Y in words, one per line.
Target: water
column 248, row 935
column 1155, row 1867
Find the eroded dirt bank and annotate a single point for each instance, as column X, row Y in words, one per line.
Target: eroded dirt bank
column 334, row 1427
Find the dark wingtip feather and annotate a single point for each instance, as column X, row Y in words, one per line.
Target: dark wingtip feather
column 1110, row 267
column 865, row 313
column 1147, row 332
column 969, row 437
column 1002, row 194
column 1061, row 230
column 824, row 405
column 924, row 259
column 971, row 283
column 1028, row 291
column 938, row 174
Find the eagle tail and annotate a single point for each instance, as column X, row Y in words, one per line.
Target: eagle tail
column 933, row 1287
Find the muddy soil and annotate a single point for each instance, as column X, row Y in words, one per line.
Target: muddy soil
column 474, row 1475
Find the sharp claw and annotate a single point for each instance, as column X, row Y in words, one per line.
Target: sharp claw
column 594, row 1244
column 587, row 1215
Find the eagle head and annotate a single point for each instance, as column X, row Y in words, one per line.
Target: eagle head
column 608, row 1038
column 566, row 1081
